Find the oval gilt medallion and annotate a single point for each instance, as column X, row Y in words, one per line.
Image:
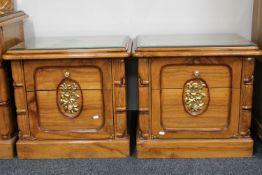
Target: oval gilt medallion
column 69, row 98
column 196, row 96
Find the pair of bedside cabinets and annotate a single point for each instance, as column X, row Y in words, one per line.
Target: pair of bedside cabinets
column 195, row 96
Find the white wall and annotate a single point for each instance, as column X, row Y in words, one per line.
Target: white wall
column 132, row 17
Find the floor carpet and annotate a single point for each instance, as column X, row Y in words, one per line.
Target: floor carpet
column 132, row 166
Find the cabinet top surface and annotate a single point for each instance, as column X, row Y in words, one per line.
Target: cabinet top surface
column 194, row 45
column 192, row 40
column 68, row 43
column 71, row 47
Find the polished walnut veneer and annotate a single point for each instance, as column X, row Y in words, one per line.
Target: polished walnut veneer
column 257, row 38
column 11, row 29
column 70, row 97
column 195, row 95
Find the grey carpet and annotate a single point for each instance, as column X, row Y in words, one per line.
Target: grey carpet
column 132, row 166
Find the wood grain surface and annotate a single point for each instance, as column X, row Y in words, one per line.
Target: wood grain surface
column 7, row 148
column 60, row 149
column 197, row 148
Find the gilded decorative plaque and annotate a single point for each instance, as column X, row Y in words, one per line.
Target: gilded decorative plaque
column 69, row 97
column 196, row 95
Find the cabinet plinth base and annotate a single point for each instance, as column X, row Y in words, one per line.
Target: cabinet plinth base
column 62, row 149
column 195, row 148
column 7, row 148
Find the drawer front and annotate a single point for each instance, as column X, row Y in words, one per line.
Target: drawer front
column 217, row 72
column 175, row 117
column 67, row 100
column 175, row 76
column 195, row 97
column 47, row 75
column 88, row 76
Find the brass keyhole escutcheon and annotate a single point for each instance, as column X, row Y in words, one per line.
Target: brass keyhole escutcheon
column 196, row 73
column 67, row 74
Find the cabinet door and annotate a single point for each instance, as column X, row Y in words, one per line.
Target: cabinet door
column 70, row 99
column 195, row 97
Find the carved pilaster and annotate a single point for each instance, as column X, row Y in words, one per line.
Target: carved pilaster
column 20, row 99
column 144, row 101
column 119, row 88
column 246, row 96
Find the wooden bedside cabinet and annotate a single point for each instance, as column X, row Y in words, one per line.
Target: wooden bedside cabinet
column 70, row 97
column 11, row 29
column 195, row 95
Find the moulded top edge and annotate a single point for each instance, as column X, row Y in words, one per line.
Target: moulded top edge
column 192, row 41
column 74, row 43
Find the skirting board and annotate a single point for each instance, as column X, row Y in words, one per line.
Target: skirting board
column 7, row 148
column 195, row 148
column 62, row 149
